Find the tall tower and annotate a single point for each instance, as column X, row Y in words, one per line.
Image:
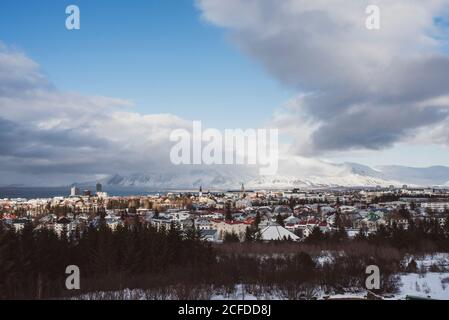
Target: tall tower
column 99, row 187
column 74, row 191
column 242, row 191
column 201, row 191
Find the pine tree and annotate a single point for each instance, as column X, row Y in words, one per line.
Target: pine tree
column 280, row 220
column 446, row 226
column 249, row 235
column 257, row 220
column 362, row 235
column 316, row 236
column 228, row 216
column 412, row 267
column 230, row 237
column 9, row 269
column 338, row 222
column 337, row 202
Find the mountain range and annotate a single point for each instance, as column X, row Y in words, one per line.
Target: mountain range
column 292, row 173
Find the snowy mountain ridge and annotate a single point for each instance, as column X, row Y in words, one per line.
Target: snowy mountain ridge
column 292, row 173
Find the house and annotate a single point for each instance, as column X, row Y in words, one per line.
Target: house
column 372, row 221
column 161, row 222
column 223, row 227
column 352, row 233
column 19, row 224
column 292, row 220
column 243, row 203
column 292, row 223
column 347, row 209
column 65, row 224
column 324, row 227
column 203, row 224
column 113, row 223
column 210, row 235
column 307, row 231
column 282, row 210
column 180, row 216
column 277, row 232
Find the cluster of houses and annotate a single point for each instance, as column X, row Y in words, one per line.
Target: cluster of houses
column 274, row 215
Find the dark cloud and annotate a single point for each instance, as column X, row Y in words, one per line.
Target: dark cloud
column 49, row 133
column 374, row 127
column 359, row 89
column 21, row 141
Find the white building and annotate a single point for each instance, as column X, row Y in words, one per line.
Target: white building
column 435, row 206
column 277, row 232
column 74, row 191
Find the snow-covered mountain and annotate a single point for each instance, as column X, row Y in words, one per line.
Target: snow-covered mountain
column 436, row 175
column 184, row 179
column 292, row 173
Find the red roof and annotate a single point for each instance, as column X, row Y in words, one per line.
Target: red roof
column 250, row 220
column 234, row 222
column 228, row 222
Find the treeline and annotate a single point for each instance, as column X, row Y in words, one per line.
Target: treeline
column 420, row 235
column 33, row 262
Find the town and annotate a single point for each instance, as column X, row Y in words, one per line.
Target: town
column 236, row 215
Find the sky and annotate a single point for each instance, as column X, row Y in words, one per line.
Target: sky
column 159, row 54
column 87, row 103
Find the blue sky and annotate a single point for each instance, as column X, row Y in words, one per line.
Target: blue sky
column 160, row 54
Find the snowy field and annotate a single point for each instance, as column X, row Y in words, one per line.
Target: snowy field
column 433, row 285
column 424, row 283
column 430, row 285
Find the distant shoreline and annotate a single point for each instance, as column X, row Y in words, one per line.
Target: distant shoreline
column 50, row 192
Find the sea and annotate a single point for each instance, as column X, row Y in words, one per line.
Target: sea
column 50, row 192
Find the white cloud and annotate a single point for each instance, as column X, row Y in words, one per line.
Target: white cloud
column 46, row 132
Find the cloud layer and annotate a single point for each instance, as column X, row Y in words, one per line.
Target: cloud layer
column 357, row 89
column 49, row 136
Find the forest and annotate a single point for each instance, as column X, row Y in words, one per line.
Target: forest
column 181, row 264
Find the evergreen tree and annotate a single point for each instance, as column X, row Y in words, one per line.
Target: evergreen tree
column 338, row 222
column 249, row 234
column 228, row 216
column 257, row 220
column 316, row 236
column 337, row 202
column 230, row 237
column 362, row 235
column 412, row 267
column 280, row 220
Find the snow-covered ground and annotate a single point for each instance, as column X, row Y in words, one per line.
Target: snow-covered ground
column 431, row 284
column 428, row 262
column 425, row 284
